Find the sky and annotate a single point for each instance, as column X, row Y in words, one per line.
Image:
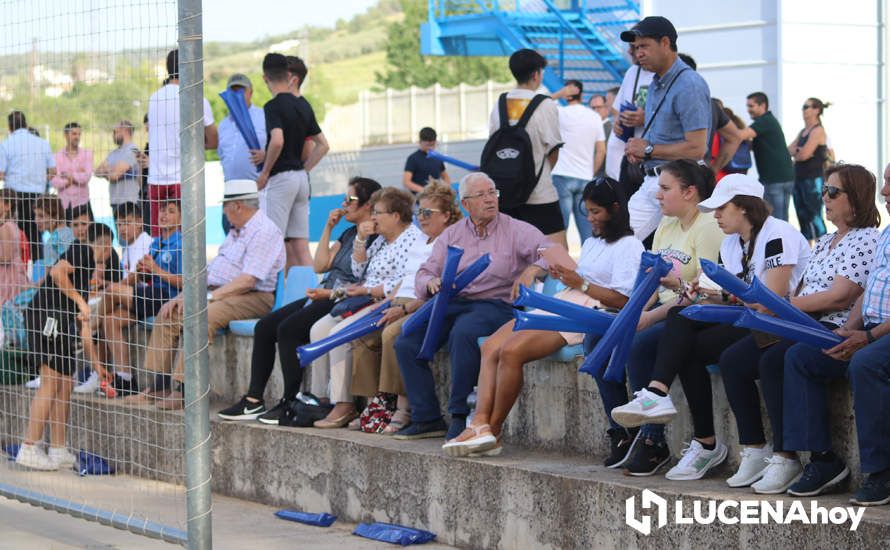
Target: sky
column 256, row 22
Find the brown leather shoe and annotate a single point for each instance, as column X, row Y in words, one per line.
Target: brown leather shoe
column 172, row 402
column 333, row 423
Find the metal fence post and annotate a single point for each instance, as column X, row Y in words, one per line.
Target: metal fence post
column 197, row 386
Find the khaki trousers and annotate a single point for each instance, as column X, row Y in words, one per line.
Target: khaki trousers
column 375, row 368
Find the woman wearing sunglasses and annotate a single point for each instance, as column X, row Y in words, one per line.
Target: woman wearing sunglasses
column 375, row 368
column 604, row 277
column 834, row 278
column 809, row 151
column 757, row 244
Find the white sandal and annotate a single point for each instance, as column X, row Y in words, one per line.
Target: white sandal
column 479, row 443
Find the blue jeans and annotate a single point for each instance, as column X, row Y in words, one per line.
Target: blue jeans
column 778, row 195
column 808, row 205
column 808, row 372
column 465, row 322
column 639, row 370
column 570, row 191
column 612, row 394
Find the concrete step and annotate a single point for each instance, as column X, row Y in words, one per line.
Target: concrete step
column 559, row 409
column 522, row 499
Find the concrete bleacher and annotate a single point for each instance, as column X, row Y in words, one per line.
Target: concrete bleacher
column 547, row 490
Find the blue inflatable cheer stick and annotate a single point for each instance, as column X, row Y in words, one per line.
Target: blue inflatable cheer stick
column 556, row 323
column 451, row 160
column 821, row 338
column 366, row 325
column 440, row 304
column 729, row 282
column 422, row 315
column 713, row 314
column 780, row 306
column 585, row 318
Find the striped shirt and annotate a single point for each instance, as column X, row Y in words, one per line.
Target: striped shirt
column 257, row 249
column 876, row 300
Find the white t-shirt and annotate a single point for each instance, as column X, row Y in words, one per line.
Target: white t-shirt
column 135, row 251
column 778, row 243
column 543, row 129
column 850, row 258
column 581, row 129
column 615, row 147
column 417, row 254
column 163, row 135
column 611, row 265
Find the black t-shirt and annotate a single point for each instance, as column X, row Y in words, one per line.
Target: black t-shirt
column 341, row 267
column 422, row 168
column 294, row 116
column 49, row 299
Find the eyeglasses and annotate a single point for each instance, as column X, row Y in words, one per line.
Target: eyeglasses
column 490, row 193
column 427, row 212
column 832, row 191
column 378, row 213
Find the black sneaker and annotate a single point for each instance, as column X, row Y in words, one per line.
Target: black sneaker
column 275, row 414
column 422, row 430
column 875, row 490
column 125, row 387
column 622, row 442
column 646, row 458
column 243, row 410
column 818, row 476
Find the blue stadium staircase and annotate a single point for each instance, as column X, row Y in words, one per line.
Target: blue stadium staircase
column 579, row 38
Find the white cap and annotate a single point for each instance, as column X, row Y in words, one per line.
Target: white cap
column 236, row 190
column 731, row 186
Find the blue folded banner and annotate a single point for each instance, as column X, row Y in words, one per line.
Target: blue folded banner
column 393, row 534
column 12, row 450
column 89, row 464
column 319, row 520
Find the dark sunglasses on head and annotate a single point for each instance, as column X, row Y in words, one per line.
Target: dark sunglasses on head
column 426, row 212
column 832, row 191
column 807, row 106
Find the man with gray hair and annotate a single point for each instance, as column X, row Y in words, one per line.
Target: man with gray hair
column 240, row 280
column 121, row 168
column 480, row 308
column 237, row 160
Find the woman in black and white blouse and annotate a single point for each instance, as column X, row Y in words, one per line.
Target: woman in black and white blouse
column 833, row 280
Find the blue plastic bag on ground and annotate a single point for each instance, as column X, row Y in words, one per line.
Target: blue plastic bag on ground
column 393, row 534
column 12, row 450
column 92, row 465
column 321, row 520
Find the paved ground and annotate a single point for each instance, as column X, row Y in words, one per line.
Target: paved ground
column 237, row 524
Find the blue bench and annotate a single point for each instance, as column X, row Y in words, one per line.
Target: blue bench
column 299, row 279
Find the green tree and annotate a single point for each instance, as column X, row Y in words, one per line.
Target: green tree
column 406, row 67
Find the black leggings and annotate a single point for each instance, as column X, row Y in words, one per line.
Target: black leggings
column 289, row 327
column 741, row 365
column 685, row 349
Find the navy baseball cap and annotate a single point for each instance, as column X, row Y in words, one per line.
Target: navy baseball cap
column 651, row 27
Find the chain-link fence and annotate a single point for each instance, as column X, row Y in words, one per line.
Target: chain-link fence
column 102, row 255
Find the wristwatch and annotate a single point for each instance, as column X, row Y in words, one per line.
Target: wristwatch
column 870, row 337
column 647, row 152
column 209, row 296
column 584, row 286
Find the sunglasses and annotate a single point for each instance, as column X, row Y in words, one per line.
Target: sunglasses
column 350, row 198
column 807, row 106
column 426, row 212
column 832, row 191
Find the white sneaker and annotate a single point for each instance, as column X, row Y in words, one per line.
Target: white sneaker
column 62, row 457
column 33, row 457
column 90, row 385
column 646, row 408
column 696, row 461
column 779, row 474
column 752, row 466
column 33, row 384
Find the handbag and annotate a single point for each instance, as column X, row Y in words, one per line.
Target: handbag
column 350, row 306
column 632, row 174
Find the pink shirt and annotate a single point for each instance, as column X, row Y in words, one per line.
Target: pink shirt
column 256, row 249
column 80, row 167
column 512, row 244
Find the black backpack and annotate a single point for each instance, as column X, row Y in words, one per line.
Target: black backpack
column 507, row 156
